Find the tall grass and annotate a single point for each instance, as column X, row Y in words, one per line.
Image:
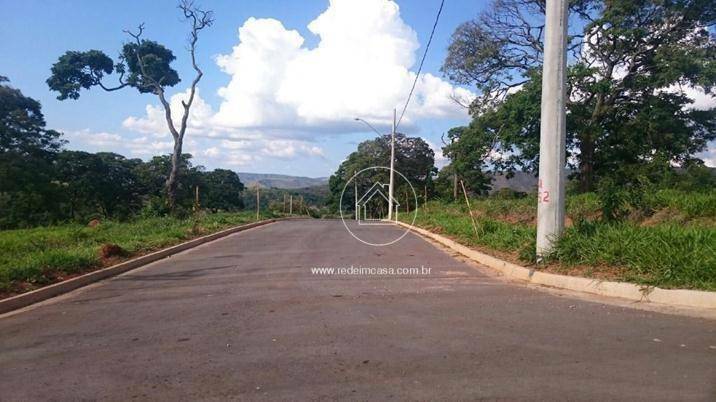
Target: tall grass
column 665, row 255
column 679, row 250
column 36, row 256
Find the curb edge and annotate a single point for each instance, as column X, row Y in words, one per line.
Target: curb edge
column 624, row 290
column 56, row 289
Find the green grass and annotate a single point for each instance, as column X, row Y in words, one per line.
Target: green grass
column 676, row 251
column 36, row 256
column 665, row 255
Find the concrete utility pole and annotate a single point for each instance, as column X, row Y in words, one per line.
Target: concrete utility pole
column 392, row 165
column 290, row 205
column 355, row 192
column 550, row 194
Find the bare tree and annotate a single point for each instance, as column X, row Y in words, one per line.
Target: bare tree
column 143, row 65
column 199, row 19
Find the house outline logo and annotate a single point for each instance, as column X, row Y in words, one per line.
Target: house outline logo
column 376, row 189
column 381, row 189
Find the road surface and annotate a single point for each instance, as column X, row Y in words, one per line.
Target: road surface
column 244, row 318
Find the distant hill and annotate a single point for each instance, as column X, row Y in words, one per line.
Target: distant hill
column 270, row 180
column 521, row 181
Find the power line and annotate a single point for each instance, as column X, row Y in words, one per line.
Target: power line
column 420, row 67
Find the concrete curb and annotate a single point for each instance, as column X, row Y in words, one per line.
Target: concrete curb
column 44, row 293
column 629, row 291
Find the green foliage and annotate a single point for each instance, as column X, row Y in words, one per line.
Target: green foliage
column 663, row 255
column 467, row 150
column 43, row 185
column 156, row 60
column 75, row 70
column 27, row 152
column 279, row 199
column 413, row 158
column 620, row 115
column 223, row 190
column 666, row 253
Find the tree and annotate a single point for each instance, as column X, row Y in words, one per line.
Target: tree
column 27, row 149
column 223, row 190
column 144, row 65
column 630, row 62
column 467, row 152
column 413, row 158
column 153, row 176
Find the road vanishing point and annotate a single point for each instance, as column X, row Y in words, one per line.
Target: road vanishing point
column 244, row 318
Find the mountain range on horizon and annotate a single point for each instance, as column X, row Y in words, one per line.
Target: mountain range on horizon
column 272, row 180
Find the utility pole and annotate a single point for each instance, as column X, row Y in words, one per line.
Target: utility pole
column 355, row 192
column 392, row 165
column 550, row 194
column 290, row 205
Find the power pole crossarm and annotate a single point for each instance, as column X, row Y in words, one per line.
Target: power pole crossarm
column 550, row 194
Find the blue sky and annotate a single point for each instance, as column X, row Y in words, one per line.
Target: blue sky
column 283, row 80
column 43, row 30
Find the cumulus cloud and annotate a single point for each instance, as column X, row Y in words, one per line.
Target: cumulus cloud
column 155, row 121
column 88, row 140
column 281, row 90
column 360, row 67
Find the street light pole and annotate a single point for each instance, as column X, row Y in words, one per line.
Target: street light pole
column 550, row 195
column 392, row 169
column 392, row 159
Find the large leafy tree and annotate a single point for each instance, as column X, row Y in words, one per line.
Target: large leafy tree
column 144, row 65
column 223, row 190
column 27, row 150
column 630, row 62
column 413, row 158
column 103, row 183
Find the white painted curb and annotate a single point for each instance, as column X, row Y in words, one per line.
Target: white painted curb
column 630, row 291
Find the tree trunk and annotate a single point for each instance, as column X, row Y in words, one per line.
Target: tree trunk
column 586, row 163
column 586, row 147
column 173, row 178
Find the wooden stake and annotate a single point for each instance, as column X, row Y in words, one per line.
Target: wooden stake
column 197, row 206
column 467, row 201
column 258, row 202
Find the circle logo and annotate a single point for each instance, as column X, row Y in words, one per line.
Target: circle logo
column 373, row 211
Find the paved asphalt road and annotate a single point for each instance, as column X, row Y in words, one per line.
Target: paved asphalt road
column 244, row 318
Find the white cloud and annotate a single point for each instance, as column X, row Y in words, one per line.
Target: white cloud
column 155, row 121
column 709, row 156
column 290, row 148
column 109, row 142
column 440, row 159
column 212, row 152
column 280, row 89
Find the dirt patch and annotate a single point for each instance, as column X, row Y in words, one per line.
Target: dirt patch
column 110, row 250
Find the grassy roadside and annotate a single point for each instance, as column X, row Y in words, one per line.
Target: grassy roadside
column 673, row 247
column 31, row 258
